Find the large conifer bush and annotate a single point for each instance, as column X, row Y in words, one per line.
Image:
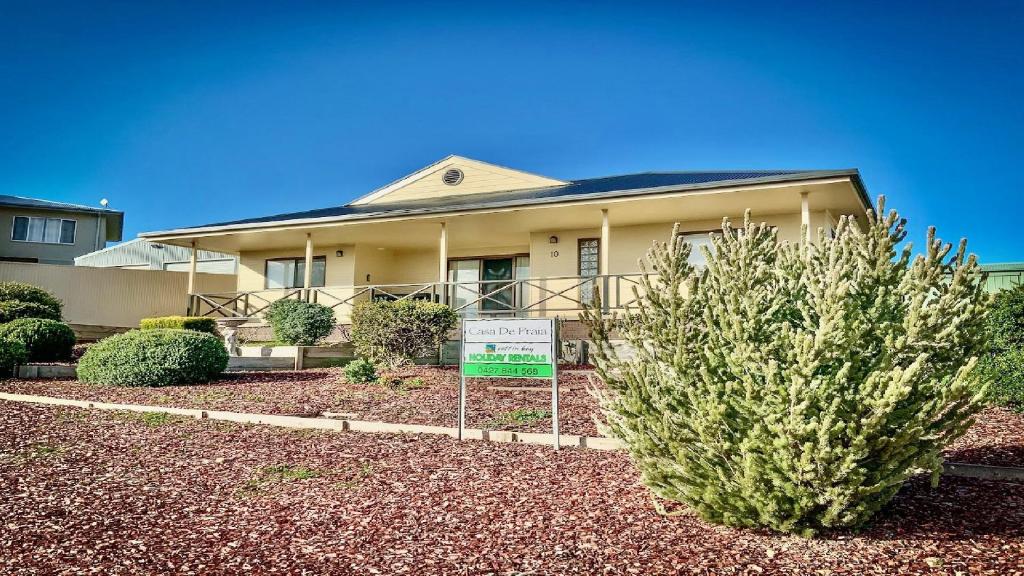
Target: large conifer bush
column 795, row 386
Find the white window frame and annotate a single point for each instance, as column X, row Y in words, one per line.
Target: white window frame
column 74, row 238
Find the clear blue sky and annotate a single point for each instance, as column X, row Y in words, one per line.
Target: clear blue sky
column 198, row 112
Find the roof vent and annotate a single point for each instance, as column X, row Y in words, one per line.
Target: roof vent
column 452, row 176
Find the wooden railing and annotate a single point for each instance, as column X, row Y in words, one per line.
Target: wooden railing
column 552, row 296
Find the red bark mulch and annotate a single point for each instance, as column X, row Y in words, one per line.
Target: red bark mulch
column 116, row 493
column 997, row 439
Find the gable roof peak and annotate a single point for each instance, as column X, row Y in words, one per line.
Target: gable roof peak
column 472, row 177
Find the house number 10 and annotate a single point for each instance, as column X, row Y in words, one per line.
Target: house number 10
column 554, row 253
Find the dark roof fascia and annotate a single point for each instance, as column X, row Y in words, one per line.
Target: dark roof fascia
column 852, row 174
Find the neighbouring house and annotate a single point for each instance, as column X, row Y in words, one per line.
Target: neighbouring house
column 1003, row 275
column 490, row 240
column 139, row 254
column 46, row 232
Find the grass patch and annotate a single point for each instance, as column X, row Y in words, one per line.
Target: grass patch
column 266, row 343
column 155, row 419
column 152, row 419
column 212, row 396
column 33, row 453
column 44, row 450
column 519, row 416
column 269, row 476
column 365, row 471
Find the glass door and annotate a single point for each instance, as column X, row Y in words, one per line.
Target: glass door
column 467, row 274
column 495, row 274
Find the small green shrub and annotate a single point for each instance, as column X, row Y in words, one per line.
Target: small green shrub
column 208, row 325
column 360, row 371
column 11, row 310
column 1005, row 361
column 300, row 323
column 12, row 353
column 161, row 357
column 45, row 340
column 28, row 294
column 393, row 334
column 1006, row 369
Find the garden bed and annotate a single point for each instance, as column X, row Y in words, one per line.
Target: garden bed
column 428, row 396
column 147, row 494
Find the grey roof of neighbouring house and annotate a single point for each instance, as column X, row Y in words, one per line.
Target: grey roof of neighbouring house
column 141, row 252
column 115, row 218
column 606, row 187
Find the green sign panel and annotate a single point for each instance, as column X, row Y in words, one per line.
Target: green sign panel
column 507, row 370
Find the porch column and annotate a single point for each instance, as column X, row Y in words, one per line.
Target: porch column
column 442, row 250
column 805, row 215
column 192, row 269
column 606, row 233
column 190, row 308
column 307, row 279
column 603, row 251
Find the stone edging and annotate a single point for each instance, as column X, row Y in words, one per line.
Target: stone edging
column 566, row 440
column 980, row 471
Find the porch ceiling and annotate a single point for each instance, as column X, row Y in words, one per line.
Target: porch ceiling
column 512, row 226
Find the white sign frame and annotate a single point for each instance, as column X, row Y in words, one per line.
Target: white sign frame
column 521, row 337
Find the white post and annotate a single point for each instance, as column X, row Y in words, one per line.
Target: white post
column 555, row 428
column 606, row 233
column 442, row 265
column 192, row 269
column 805, row 215
column 307, row 279
column 193, row 303
column 603, row 253
column 442, row 251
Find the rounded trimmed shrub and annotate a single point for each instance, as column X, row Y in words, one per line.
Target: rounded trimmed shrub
column 360, row 371
column 12, row 353
column 393, row 334
column 20, row 292
column 199, row 324
column 300, row 323
column 11, row 310
column 45, row 340
column 162, row 357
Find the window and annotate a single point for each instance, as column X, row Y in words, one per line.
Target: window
column 697, row 258
column 291, row 272
column 590, row 265
column 44, row 230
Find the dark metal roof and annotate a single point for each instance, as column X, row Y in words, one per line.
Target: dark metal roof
column 50, row 205
column 115, row 218
column 609, row 186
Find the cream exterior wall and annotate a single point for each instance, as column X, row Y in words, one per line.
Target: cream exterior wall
column 114, row 296
column 85, row 236
column 547, row 261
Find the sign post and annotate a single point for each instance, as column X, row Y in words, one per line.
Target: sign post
column 509, row 348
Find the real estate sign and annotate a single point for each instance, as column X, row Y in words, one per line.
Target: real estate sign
column 515, row 348
column 509, row 348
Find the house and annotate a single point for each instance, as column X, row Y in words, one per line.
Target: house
column 1003, row 275
column 139, row 254
column 42, row 231
column 490, row 240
